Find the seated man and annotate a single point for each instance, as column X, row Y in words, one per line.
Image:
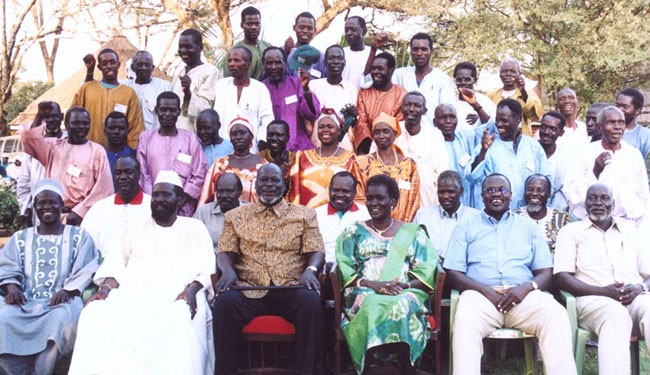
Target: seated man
column 341, row 211
column 114, row 222
column 277, row 137
column 42, row 274
column 605, row 263
column 79, row 164
column 270, row 243
column 140, row 313
column 440, row 220
column 229, row 188
column 500, row 263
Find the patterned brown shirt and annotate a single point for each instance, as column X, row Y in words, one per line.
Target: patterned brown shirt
column 273, row 244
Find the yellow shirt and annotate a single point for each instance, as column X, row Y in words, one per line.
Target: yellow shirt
column 532, row 108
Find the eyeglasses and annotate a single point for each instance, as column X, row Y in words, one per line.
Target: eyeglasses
column 492, row 190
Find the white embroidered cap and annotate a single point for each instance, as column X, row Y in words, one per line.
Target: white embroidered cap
column 169, row 177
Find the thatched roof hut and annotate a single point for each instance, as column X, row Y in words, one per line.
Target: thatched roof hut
column 64, row 91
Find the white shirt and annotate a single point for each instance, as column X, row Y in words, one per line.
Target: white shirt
column 254, row 104
column 147, row 95
column 574, row 137
column 204, row 79
column 30, row 173
column 440, row 225
column 559, row 165
column 463, row 109
column 428, row 150
column 335, row 97
column 437, row 87
column 331, row 225
column 114, row 227
column 625, row 175
column 355, row 64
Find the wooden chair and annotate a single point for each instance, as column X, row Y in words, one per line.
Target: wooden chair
column 499, row 334
column 581, row 335
column 435, row 319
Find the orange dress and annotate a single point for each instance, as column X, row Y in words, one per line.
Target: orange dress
column 221, row 166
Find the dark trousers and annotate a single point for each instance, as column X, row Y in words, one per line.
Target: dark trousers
column 232, row 311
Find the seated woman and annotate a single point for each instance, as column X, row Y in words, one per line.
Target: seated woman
column 389, row 160
column 386, row 268
column 241, row 162
column 43, row 271
column 313, row 170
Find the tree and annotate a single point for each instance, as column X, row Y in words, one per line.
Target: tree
column 26, row 94
column 49, row 56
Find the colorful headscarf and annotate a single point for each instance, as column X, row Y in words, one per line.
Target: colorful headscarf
column 241, row 121
column 387, row 119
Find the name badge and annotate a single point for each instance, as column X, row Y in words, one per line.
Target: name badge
column 464, row 160
column 74, row 171
column 184, row 158
column 120, row 108
column 404, row 185
column 291, row 99
column 315, row 73
column 531, row 166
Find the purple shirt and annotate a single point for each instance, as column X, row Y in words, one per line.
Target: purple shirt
column 290, row 105
column 181, row 153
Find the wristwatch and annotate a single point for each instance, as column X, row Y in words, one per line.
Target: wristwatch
column 534, row 284
column 313, row 268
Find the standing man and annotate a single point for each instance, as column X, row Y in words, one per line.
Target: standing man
column 106, row 96
column 32, row 170
column 591, row 121
column 170, row 148
column 269, row 243
column 251, row 23
column 604, row 262
column 80, row 165
column 305, row 28
column 340, row 212
column 575, row 131
column 212, row 214
column 277, row 152
column 116, row 128
column 615, row 164
column 292, row 99
column 514, row 87
column 512, row 153
column 472, row 107
column 146, row 87
column 114, row 222
column 194, row 80
column 440, row 220
column 500, row 263
column 240, row 95
column 359, row 56
column 207, row 129
column 383, row 96
column 334, row 91
column 432, row 82
column 422, row 143
column 630, row 101
column 459, row 147
column 550, row 132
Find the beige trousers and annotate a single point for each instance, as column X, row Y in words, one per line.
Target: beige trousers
column 538, row 314
column 614, row 323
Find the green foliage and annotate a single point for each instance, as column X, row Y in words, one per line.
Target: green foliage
column 596, row 47
column 23, row 96
column 9, row 208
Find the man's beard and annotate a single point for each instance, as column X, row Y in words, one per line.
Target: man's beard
column 163, row 213
column 598, row 218
column 534, row 208
column 270, row 202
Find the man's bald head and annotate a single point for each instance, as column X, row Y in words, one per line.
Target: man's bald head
column 270, row 184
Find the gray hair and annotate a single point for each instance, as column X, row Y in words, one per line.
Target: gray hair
column 600, row 118
column 138, row 54
column 511, row 60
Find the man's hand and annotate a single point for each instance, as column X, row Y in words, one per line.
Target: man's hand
column 89, row 62
column 227, row 279
column 14, row 295
column 468, row 96
column 471, row 118
column 100, row 295
column 288, row 45
column 629, row 293
column 487, row 140
column 380, row 40
column 304, row 80
column 186, row 83
column 73, row 219
column 601, row 161
column 189, row 296
column 520, row 83
column 309, row 279
column 62, row 296
column 514, row 296
column 613, row 291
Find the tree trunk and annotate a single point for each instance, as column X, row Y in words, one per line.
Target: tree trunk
column 222, row 8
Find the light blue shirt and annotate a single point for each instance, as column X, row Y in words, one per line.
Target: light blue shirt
column 498, row 253
column 516, row 166
column 214, row 152
column 639, row 137
column 461, row 156
column 440, row 225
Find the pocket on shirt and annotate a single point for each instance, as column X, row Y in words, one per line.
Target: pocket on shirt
column 184, row 170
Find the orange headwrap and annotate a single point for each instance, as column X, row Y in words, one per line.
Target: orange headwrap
column 389, row 120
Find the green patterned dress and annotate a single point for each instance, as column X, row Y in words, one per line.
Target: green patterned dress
column 370, row 319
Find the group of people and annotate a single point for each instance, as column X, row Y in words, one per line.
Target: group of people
column 325, row 161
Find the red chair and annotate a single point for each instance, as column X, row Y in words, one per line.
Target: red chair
column 435, row 320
